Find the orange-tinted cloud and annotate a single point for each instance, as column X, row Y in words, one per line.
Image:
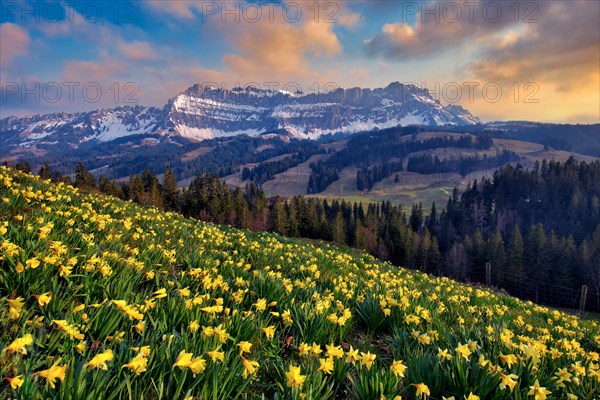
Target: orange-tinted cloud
column 562, row 50
column 93, row 70
column 556, row 50
column 157, row 85
column 178, row 8
column 137, row 50
column 560, row 55
column 440, row 26
column 14, row 41
column 278, row 43
column 276, row 50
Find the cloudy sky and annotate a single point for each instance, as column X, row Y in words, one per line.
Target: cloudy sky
column 502, row 60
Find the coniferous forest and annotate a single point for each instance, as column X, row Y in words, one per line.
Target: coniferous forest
column 539, row 228
column 386, row 147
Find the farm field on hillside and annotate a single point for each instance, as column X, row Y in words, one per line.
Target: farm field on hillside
column 104, row 299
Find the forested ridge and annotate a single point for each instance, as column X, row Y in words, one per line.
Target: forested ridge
column 380, row 148
column 538, row 225
column 464, row 165
column 579, row 138
column 267, row 170
column 130, row 155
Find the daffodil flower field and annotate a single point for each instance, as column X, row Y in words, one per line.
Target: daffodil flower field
column 104, row 299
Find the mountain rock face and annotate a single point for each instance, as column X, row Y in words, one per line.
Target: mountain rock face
column 77, row 128
column 205, row 112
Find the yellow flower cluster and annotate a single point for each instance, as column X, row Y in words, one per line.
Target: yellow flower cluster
column 162, row 306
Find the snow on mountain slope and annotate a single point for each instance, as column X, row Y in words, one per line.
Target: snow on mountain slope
column 202, row 113
column 309, row 115
column 73, row 129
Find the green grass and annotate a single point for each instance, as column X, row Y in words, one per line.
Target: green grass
column 104, row 299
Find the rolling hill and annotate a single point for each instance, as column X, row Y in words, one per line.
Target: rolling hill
column 105, row 299
column 411, row 187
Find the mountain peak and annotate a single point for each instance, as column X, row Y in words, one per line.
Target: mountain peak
column 206, row 111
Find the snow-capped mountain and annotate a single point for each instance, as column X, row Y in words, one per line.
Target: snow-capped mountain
column 76, row 128
column 204, row 112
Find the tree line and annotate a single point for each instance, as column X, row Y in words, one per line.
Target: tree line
column 464, row 165
column 367, row 177
column 267, row 170
column 380, row 147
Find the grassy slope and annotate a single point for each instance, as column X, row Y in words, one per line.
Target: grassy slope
column 93, row 250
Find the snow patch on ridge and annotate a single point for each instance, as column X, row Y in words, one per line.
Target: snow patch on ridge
column 208, row 133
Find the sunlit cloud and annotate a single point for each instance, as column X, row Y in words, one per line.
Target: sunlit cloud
column 359, row 43
column 14, row 42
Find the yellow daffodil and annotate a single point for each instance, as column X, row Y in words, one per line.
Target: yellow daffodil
column 53, row 373
column 99, row 361
column 32, row 263
column 261, row 305
column 304, row 349
column 315, row 349
column 18, row 345
column 352, row 356
column 16, row 382
column 80, row 348
column 398, row 368
column 69, row 329
column 43, row 299
column 78, row 308
column 244, row 347
column 216, row 355
column 197, row 366
column 294, row 377
column 139, row 327
column 444, row 355
column 183, row 360
column 137, row 364
column 326, row 365
column 334, row 351
column 269, row 332
column 508, row 381
column 17, row 303
column 250, row 367
column 287, row 318
column 193, row 326
column 508, row 359
column 537, row 391
column 463, row 351
column 367, row 359
column 422, row 390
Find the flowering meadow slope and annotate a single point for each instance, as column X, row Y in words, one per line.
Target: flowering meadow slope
column 103, row 299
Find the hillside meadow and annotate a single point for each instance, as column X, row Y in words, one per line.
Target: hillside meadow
column 104, row 299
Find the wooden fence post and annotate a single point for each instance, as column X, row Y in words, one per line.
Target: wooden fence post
column 584, row 290
column 488, row 274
